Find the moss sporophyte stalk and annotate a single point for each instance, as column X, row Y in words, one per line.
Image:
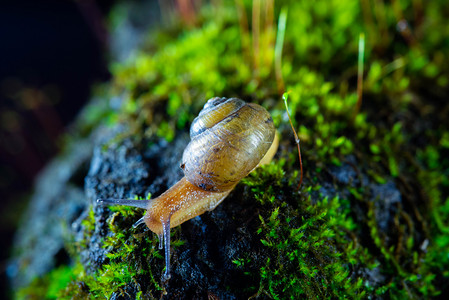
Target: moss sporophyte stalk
column 370, row 218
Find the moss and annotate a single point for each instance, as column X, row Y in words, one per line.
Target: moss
column 313, row 250
column 123, row 246
column 49, row 286
column 132, row 258
column 310, row 249
column 316, row 245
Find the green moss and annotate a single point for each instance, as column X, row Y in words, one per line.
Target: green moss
column 435, row 183
column 89, row 222
column 130, row 256
column 314, row 246
column 310, row 250
column 313, row 252
column 124, row 247
column 49, row 286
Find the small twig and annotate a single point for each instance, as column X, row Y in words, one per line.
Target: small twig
column 285, row 98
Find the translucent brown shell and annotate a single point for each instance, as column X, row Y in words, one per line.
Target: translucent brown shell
column 229, row 138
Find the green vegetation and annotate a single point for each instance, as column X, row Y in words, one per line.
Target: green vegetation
column 316, row 246
column 50, row 286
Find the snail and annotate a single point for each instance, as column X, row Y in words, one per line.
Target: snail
column 229, row 139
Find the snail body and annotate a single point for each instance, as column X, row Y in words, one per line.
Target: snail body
column 229, row 139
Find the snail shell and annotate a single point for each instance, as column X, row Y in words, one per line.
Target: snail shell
column 229, row 138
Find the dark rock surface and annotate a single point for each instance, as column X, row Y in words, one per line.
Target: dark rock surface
column 123, row 171
column 385, row 197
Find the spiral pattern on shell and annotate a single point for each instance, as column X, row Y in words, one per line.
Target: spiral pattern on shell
column 229, row 138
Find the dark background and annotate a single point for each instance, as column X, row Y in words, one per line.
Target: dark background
column 51, row 52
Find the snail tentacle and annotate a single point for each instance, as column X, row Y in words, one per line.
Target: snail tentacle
column 128, row 202
column 166, row 235
column 139, row 222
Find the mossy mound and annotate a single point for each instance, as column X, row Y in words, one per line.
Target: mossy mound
column 370, row 219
